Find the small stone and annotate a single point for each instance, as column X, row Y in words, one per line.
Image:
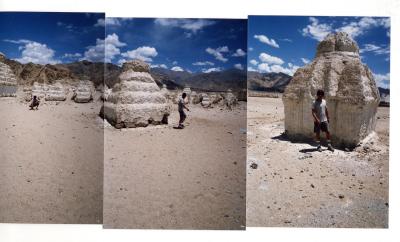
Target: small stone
column 253, row 166
column 341, row 196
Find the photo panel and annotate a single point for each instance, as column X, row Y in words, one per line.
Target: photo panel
column 51, row 158
column 175, row 123
column 318, row 121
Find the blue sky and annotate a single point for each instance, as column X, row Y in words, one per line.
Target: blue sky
column 50, row 38
column 194, row 45
column 285, row 43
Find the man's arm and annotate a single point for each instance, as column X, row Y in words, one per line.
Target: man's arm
column 327, row 114
column 184, row 106
column 314, row 114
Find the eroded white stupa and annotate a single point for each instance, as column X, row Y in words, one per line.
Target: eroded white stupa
column 136, row 100
column 350, row 91
column 8, row 81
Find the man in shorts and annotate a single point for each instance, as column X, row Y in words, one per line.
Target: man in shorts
column 321, row 119
column 181, row 107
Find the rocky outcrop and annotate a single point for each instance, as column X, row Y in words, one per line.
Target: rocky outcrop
column 84, row 92
column 350, row 91
column 205, row 101
column 56, row 92
column 230, row 99
column 39, row 90
column 135, row 100
column 8, row 81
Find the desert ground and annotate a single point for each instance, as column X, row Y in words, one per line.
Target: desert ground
column 51, row 163
column 290, row 184
column 159, row 177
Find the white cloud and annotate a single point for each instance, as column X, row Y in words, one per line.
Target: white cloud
column 264, row 57
column 239, row 53
column 251, row 48
column 175, row 63
column 239, row 66
column 305, row 60
column 177, row 68
column 159, row 66
column 104, row 50
column 264, row 39
column 382, row 80
column 109, row 22
column 144, row 53
column 192, row 25
column 289, row 70
column 377, row 50
column 253, row 62
column 316, row 30
column 72, row 55
column 214, row 69
column 121, row 61
column 357, row 28
column 249, row 68
column 34, row 52
column 217, row 53
column 287, row 40
column 203, row 63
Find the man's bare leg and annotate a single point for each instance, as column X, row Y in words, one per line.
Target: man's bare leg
column 328, row 140
column 318, row 140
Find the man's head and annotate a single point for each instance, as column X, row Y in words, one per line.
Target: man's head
column 184, row 95
column 34, row 97
column 320, row 94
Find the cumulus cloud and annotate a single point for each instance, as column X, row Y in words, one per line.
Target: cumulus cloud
column 264, row 57
column 177, row 68
column 214, row 69
column 289, row 70
column 217, row 53
column 144, row 53
column 357, row 28
column 264, row 39
column 382, row 80
column 239, row 53
column 203, row 63
column 305, row 60
column 121, row 61
column 253, row 62
column 238, row 66
column 317, row 30
column 34, row 52
column 192, row 25
column 249, row 68
column 104, row 50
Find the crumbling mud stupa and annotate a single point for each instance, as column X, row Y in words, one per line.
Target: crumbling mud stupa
column 8, row 81
column 56, row 92
column 350, row 91
column 136, row 100
column 84, row 92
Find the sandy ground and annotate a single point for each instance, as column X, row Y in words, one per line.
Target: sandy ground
column 294, row 186
column 51, row 163
column 159, row 177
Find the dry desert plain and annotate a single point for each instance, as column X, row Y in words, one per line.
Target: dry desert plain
column 289, row 184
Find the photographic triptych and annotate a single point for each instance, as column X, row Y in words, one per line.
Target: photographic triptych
column 211, row 124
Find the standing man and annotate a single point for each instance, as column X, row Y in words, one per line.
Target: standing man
column 321, row 120
column 181, row 107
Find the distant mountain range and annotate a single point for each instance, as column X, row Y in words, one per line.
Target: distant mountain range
column 98, row 73
column 267, row 82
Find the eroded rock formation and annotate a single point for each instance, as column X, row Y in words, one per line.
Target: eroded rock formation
column 8, row 81
column 84, row 92
column 136, row 100
column 350, row 91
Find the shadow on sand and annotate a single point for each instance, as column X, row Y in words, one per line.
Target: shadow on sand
column 302, row 140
